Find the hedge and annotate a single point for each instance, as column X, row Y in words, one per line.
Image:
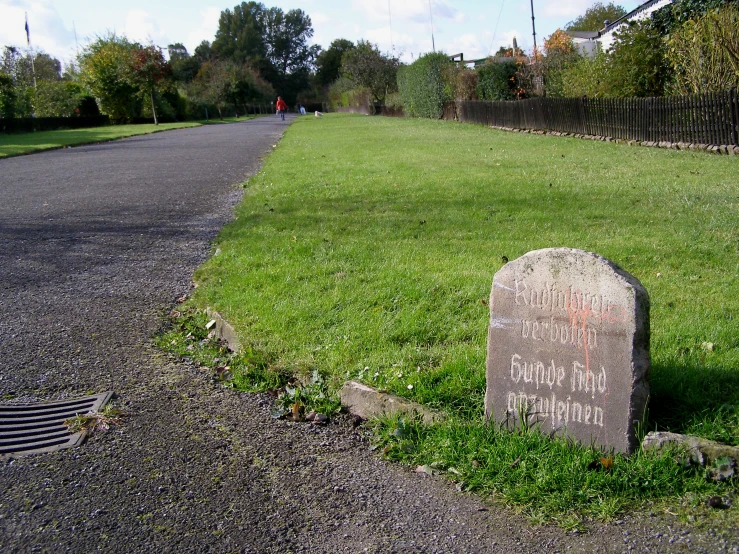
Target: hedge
column 423, row 87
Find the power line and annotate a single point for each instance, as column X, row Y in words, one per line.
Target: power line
column 495, row 32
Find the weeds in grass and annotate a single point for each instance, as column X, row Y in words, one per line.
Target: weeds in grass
column 550, row 479
column 250, row 370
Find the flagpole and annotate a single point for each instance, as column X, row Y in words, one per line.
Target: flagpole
column 28, row 41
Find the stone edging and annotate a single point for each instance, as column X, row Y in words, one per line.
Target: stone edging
column 223, row 329
column 368, row 403
column 361, row 400
column 724, row 149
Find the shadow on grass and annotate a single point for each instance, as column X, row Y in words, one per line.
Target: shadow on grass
column 692, row 398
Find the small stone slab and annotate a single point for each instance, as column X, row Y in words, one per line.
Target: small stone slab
column 702, row 451
column 224, row 330
column 568, row 348
column 367, row 403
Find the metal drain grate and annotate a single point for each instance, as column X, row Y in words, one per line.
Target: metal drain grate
column 35, row 428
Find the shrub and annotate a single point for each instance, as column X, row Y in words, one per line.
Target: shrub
column 465, row 84
column 344, row 92
column 7, row 96
column 704, row 53
column 638, row 66
column 586, row 77
column 425, row 85
column 497, row 81
column 560, row 54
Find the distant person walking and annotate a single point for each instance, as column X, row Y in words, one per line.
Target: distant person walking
column 281, row 107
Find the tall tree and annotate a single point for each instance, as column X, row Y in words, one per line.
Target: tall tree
column 17, row 66
column 286, row 40
column 204, row 52
column 595, row 17
column 47, row 68
column 105, row 66
column 148, row 70
column 328, row 62
column 224, row 83
column 368, row 67
column 184, row 66
column 240, row 34
column 270, row 41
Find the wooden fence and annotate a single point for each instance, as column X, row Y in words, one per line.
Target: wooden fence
column 711, row 118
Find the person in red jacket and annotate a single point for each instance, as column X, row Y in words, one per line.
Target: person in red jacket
column 281, row 107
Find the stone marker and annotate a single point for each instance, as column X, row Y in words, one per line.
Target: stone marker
column 568, row 348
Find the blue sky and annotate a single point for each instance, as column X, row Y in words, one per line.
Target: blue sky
column 473, row 27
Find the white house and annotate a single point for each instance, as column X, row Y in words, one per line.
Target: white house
column 588, row 42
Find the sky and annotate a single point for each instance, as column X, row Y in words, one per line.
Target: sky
column 405, row 28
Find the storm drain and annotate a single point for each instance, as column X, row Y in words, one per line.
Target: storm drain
column 39, row 427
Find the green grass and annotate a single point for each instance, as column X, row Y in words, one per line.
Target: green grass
column 366, row 247
column 28, row 143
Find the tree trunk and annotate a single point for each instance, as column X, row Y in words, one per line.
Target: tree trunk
column 153, row 109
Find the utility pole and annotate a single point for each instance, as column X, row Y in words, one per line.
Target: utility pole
column 76, row 44
column 431, row 18
column 533, row 27
column 390, row 17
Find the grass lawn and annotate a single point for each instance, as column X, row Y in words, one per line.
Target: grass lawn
column 366, row 248
column 28, row 143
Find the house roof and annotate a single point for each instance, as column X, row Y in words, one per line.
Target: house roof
column 633, row 13
column 651, row 5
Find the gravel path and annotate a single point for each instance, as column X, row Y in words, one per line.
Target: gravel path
column 97, row 243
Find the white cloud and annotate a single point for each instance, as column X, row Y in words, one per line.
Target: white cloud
column 319, row 18
column 141, row 26
column 416, row 11
column 47, row 29
column 570, row 9
column 380, row 37
column 206, row 30
column 468, row 44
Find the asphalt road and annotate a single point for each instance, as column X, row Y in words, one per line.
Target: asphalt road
column 96, row 243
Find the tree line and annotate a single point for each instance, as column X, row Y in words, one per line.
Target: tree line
column 259, row 52
column 686, row 47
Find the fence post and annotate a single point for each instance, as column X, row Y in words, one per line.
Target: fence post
column 734, row 116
